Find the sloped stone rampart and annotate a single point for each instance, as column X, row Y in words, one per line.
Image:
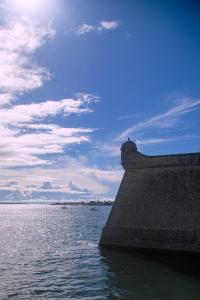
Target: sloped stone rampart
column 158, row 203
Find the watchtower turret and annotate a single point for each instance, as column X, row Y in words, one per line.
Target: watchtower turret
column 128, row 149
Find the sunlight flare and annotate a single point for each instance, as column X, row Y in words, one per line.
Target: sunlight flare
column 24, row 6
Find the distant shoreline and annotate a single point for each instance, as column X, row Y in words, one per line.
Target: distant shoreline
column 90, row 203
column 80, row 203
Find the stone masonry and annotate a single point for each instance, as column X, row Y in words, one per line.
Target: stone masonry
column 157, row 206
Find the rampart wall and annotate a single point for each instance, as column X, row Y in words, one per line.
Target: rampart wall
column 158, row 203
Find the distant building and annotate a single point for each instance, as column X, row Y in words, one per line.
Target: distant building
column 157, row 206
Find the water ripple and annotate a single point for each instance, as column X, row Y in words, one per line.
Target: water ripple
column 50, row 253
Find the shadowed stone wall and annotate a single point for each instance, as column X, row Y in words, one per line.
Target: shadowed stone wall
column 158, row 202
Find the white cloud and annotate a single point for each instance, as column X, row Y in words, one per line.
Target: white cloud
column 108, row 25
column 50, row 182
column 5, row 98
column 84, row 28
column 163, row 120
column 31, row 138
column 25, row 135
column 19, row 73
column 36, row 111
column 102, row 26
column 49, row 177
column 76, row 189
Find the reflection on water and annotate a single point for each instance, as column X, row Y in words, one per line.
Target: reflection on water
column 51, row 253
column 151, row 277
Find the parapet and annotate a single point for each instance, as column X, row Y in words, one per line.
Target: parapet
column 131, row 158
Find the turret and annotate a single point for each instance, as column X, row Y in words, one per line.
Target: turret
column 128, row 149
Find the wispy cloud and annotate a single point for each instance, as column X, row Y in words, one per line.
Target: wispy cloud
column 84, row 28
column 58, row 181
column 25, row 134
column 110, row 149
column 28, row 141
column 166, row 119
column 128, row 117
column 35, row 111
column 166, row 140
column 19, row 73
column 113, row 149
column 102, row 26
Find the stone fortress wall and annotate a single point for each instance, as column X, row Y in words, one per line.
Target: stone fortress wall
column 158, row 203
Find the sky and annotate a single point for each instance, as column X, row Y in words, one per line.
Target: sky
column 78, row 77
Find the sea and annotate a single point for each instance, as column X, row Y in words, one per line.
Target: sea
column 47, row 252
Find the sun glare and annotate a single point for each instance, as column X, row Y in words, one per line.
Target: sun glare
column 29, row 6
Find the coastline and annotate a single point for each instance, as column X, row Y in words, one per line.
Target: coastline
column 82, row 203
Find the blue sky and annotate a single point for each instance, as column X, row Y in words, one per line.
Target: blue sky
column 79, row 77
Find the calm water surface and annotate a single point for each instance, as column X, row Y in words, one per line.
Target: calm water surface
column 47, row 252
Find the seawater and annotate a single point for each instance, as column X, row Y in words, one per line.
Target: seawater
column 47, row 252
